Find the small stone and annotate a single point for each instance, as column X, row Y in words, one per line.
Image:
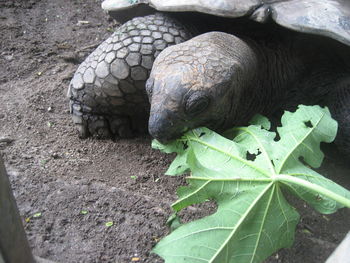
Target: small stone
column 139, row 73
column 8, row 57
column 119, row 69
column 102, row 70
column 55, row 155
column 89, row 76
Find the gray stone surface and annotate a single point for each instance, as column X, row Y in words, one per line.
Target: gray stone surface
column 342, row 253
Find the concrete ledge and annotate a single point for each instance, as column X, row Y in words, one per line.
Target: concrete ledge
column 342, row 253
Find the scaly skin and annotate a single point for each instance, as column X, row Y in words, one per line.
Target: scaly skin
column 219, row 81
column 107, row 94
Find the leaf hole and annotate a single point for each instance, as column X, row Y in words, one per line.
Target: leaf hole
column 202, row 134
column 185, row 145
column 252, row 156
column 308, row 124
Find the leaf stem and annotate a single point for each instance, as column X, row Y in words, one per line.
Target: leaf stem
column 313, row 187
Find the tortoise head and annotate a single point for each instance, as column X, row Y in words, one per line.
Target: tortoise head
column 194, row 84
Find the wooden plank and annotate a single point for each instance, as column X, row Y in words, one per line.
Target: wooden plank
column 14, row 245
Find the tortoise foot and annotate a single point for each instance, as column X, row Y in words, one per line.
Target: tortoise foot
column 100, row 126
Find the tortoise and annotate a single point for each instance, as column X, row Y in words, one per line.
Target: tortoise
column 181, row 64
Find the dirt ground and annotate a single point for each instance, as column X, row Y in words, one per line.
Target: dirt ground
column 80, row 185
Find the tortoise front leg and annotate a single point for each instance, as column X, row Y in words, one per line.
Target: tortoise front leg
column 107, row 93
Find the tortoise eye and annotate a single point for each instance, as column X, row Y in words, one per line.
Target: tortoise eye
column 196, row 104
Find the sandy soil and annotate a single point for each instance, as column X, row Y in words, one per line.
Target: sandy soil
column 56, row 174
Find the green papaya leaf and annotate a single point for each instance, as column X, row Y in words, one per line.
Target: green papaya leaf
column 246, row 177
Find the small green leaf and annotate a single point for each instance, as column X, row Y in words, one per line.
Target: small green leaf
column 84, row 212
column 173, row 222
column 36, row 215
column 306, row 231
column 109, row 224
column 134, row 177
